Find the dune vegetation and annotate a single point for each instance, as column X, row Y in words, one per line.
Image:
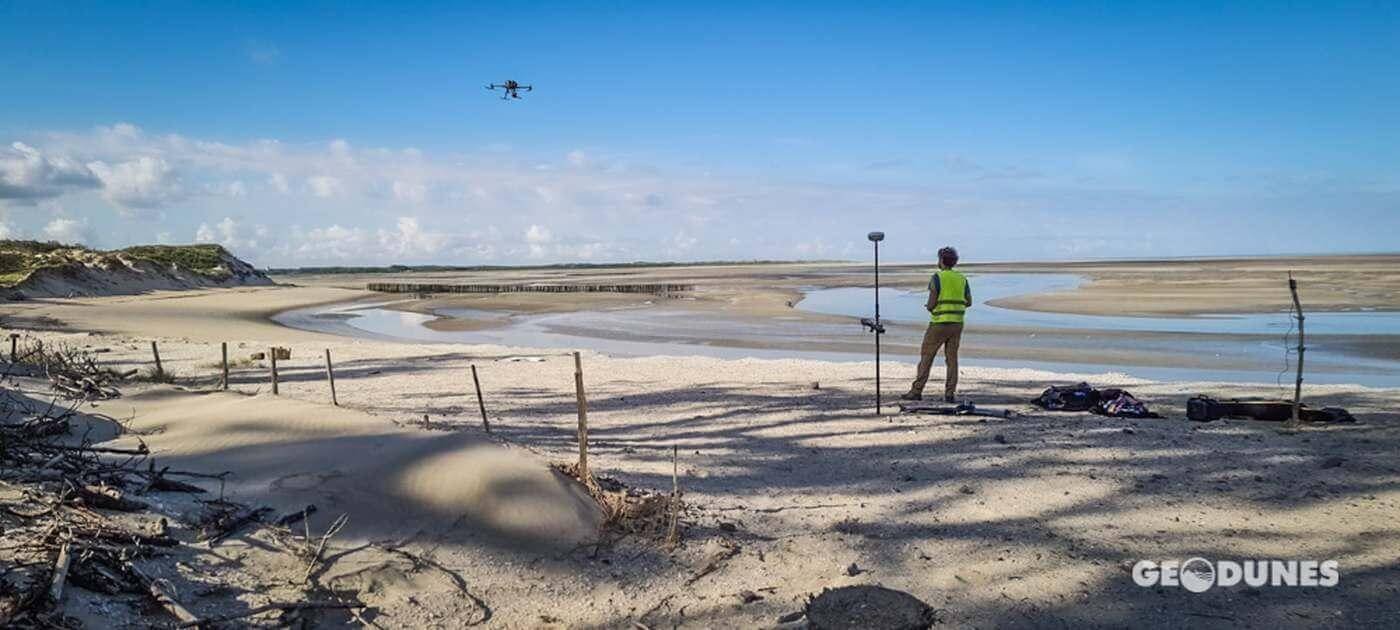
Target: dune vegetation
column 21, row 258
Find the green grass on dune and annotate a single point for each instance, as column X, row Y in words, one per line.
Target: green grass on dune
column 201, row 258
column 19, row 258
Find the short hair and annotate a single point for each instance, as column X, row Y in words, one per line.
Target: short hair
column 948, row 257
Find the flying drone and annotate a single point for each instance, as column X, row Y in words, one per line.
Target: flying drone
column 511, row 89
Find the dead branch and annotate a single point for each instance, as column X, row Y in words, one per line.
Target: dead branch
column 285, row 607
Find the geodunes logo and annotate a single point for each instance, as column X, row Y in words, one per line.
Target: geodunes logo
column 1199, row 575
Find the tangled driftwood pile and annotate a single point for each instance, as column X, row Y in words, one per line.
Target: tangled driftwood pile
column 72, row 371
column 630, row 510
column 62, row 503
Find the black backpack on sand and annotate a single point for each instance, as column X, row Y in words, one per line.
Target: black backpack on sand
column 1206, row 409
column 1079, row 397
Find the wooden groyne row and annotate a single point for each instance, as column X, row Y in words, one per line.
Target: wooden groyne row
column 413, row 287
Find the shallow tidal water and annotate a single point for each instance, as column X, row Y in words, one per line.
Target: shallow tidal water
column 1249, row 348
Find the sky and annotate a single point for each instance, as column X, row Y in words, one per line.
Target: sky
column 348, row 133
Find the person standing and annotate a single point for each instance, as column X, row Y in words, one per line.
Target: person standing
column 949, row 296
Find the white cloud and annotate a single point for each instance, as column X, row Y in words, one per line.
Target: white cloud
column 278, row 182
column 324, row 186
column 411, row 192
column 68, row 230
column 232, row 235
column 537, row 239
column 682, row 242
column 144, row 183
column 341, row 152
column 379, row 205
column 411, row 241
column 538, row 234
column 26, row 174
column 334, row 243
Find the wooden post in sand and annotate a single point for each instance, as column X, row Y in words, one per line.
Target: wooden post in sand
column 223, row 346
column 1298, row 384
column 673, row 535
column 14, row 347
column 330, row 376
column 582, row 419
column 272, row 354
column 479, row 402
column 160, row 371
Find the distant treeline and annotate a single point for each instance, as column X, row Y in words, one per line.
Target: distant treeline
column 562, row 266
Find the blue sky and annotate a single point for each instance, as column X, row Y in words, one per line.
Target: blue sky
column 329, row 133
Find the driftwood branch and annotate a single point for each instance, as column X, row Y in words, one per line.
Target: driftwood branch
column 60, row 574
column 269, row 608
column 334, row 529
column 164, row 595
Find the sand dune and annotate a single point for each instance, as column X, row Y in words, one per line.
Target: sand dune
column 394, row 483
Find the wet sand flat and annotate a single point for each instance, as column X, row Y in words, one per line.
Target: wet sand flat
column 1146, row 288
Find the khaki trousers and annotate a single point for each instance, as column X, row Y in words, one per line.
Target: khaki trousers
column 948, row 336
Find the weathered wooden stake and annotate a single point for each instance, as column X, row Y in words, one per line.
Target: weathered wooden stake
column 426, row 423
column 1298, row 384
column 673, row 535
column 156, row 353
column 224, row 347
column 272, row 354
column 330, row 376
column 14, row 347
column 479, row 402
column 582, row 420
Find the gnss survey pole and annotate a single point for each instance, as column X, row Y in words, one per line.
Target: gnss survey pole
column 874, row 325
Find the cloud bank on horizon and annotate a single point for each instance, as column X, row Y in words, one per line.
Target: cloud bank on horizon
column 333, row 203
column 935, row 126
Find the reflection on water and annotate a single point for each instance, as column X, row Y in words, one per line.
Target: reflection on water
column 1254, row 351
column 901, row 305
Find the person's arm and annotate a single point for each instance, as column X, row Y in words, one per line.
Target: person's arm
column 933, row 289
column 967, row 293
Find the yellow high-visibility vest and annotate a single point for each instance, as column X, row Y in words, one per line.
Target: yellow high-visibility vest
column 951, row 299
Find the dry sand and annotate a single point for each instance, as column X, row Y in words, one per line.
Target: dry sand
column 998, row 522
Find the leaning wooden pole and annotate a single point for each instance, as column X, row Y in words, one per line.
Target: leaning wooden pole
column 330, row 376
column 1297, row 384
column 481, row 404
column 224, row 347
column 155, row 351
column 582, row 420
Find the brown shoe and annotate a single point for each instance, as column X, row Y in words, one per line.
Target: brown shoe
column 911, row 396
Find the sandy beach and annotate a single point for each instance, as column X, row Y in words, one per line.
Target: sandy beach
column 792, row 484
column 494, row 315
